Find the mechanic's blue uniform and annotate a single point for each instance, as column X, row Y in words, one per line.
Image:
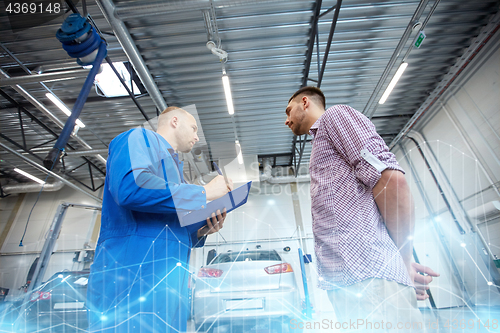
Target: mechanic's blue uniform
column 139, row 278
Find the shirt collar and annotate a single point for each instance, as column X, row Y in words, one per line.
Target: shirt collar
column 314, row 128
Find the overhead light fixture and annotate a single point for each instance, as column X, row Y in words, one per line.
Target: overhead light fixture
column 38, row 180
column 63, row 107
column 238, row 149
column 227, row 92
column 393, row 82
column 109, row 84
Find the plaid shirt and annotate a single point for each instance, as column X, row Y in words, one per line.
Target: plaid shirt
column 351, row 241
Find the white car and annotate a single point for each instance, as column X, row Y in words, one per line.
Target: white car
column 245, row 289
column 59, row 305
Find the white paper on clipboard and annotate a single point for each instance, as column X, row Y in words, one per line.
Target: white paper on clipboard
column 230, row 201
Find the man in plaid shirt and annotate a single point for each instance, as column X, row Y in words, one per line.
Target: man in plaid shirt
column 363, row 218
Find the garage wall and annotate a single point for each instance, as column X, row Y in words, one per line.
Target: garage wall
column 266, row 215
column 7, row 208
column 458, row 231
column 75, row 235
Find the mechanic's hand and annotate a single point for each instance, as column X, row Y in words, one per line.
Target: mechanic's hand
column 214, row 224
column 422, row 281
column 218, row 187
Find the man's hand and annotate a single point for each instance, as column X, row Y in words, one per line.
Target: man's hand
column 422, row 281
column 218, row 187
column 214, row 224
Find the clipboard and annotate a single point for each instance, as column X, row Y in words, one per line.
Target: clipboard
column 196, row 219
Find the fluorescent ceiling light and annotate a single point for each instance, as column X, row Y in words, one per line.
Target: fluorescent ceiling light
column 110, row 85
column 227, row 92
column 63, row 107
column 393, row 82
column 238, row 149
column 38, row 180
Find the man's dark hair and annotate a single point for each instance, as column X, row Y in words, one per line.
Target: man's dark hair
column 315, row 93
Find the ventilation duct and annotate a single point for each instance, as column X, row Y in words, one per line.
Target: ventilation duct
column 32, row 187
column 268, row 177
column 53, row 174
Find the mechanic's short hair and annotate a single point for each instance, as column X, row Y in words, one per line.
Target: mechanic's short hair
column 170, row 112
column 315, row 93
column 168, row 109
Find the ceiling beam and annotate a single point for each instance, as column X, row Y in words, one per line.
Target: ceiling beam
column 36, row 78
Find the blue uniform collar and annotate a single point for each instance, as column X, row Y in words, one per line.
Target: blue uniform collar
column 175, row 156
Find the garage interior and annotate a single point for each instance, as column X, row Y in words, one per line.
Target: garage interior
column 441, row 121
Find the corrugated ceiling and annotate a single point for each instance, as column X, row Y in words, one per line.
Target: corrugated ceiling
column 267, row 46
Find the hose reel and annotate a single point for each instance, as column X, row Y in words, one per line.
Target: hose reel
column 80, row 40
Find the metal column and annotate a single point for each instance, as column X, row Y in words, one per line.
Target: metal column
column 314, row 37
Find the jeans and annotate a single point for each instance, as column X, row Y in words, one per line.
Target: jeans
column 377, row 305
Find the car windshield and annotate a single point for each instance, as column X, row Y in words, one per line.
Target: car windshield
column 247, row 256
column 69, row 279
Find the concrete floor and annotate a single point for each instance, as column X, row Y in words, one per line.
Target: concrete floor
column 473, row 320
column 452, row 320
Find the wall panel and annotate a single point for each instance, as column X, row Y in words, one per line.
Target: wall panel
column 460, row 137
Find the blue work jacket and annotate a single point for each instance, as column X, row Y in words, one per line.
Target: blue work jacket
column 139, row 277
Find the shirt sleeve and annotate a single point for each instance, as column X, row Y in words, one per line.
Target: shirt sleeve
column 141, row 177
column 355, row 138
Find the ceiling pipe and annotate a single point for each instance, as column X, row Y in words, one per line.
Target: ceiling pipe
column 122, row 34
column 36, row 78
column 33, row 187
column 402, row 42
column 75, row 152
column 55, row 175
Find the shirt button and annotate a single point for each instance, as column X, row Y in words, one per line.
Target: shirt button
column 203, row 192
column 202, row 206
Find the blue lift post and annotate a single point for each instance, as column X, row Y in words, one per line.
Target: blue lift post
column 307, row 312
